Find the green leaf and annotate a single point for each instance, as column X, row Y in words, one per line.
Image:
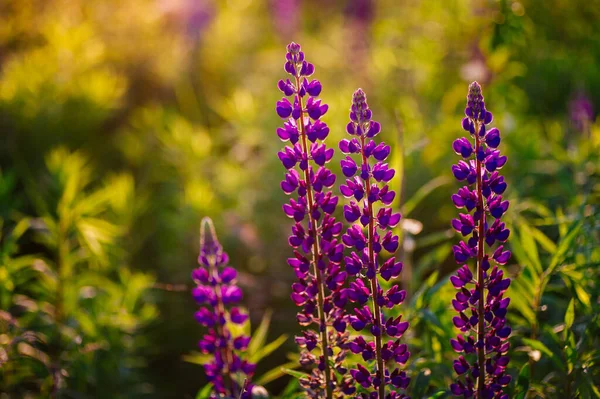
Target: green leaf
column 290, row 388
column 265, row 351
column 196, row 358
column 570, row 314
column 543, row 240
column 583, row 296
column 259, row 338
column 205, row 392
column 293, row 373
column 530, row 246
column 439, row 394
column 275, row 373
column 523, row 380
column 564, row 246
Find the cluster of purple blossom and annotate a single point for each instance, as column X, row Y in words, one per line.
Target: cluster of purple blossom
column 217, row 293
column 482, row 308
column 330, row 283
column 348, row 301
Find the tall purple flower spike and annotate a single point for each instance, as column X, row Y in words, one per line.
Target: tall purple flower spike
column 217, row 294
column 317, row 252
column 482, row 309
column 367, row 183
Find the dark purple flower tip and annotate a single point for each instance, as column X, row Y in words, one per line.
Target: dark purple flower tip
column 352, row 212
column 349, row 167
column 381, row 152
column 291, row 182
column 320, row 153
column 488, row 117
column 241, row 343
column 461, row 170
column 467, row 125
column 359, row 100
column 501, row 256
column 390, row 242
column 458, row 389
column 464, row 225
column 307, row 69
column 461, row 365
column 313, row 88
column 482, row 130
column 497, row 207
column 462, row 147
column 362, row 376
column 289, row 132
column 457, row 282
column 208, row 344
column 390, row 269
column 203, row 294
column 231, row 294
column 293, row 48
column 350, row 129
column 382, row 173
column 374, row 129
column 492, row 138
column 228, row 274
column 284, row 108
column 349, row 146
column 286, row 87
column 317, row 131
column 205, row 317
column 504, row 332
column 200, row 275
column 315, row 109
column 395, row 296
column 237, row 317
column 209, row 243
column 475, row 92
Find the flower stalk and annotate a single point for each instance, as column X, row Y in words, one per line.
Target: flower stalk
column 216, row 291
column 367, row 184
column 317, row 252
column 485, row 330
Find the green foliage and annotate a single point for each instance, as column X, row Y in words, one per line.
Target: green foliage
column 73, row 309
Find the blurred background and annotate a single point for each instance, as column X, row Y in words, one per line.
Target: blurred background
column 124, row 122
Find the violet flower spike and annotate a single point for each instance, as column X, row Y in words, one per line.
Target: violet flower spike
column 217, row 293
column 317, row 252
column 484, row 346
column 369, row 209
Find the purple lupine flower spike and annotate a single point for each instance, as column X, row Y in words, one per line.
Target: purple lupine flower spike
column 482, row 315
column 217, row 294
column 317, row 251
column 367, row 187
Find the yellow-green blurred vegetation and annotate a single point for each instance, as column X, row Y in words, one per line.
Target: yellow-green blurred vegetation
column 124, row 122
